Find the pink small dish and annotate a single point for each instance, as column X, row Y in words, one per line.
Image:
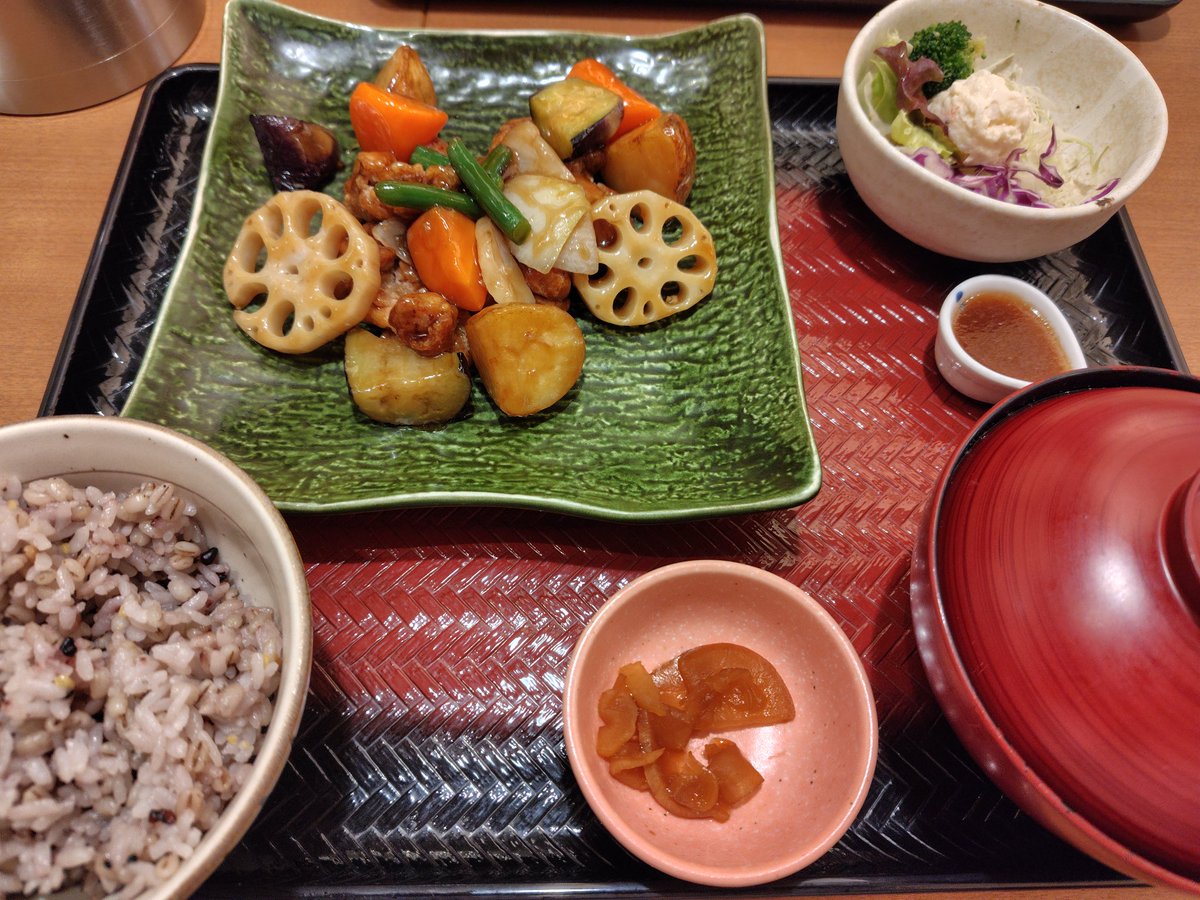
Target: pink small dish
column 817, row 768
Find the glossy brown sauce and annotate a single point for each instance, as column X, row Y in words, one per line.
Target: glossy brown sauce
column 1001, row 332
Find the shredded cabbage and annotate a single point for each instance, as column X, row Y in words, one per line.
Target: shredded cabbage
column 1010, row 181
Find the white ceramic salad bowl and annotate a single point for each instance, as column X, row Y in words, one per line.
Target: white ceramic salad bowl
column 1093, row 88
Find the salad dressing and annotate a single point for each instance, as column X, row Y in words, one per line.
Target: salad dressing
column 1001, row 331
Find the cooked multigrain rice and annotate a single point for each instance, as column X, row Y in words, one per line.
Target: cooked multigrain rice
column 135, row 686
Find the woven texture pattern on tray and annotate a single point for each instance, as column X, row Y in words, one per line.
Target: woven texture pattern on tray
column 430, row 757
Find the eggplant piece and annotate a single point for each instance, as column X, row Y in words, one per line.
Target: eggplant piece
column 575, row 116
column 299, row 155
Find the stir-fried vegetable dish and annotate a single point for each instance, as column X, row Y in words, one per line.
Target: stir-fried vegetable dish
column 976, row 125
column 441, row 261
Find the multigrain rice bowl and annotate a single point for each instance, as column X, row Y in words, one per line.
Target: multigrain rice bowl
column 136, row 685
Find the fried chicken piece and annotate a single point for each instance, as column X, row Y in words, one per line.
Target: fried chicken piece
column 426, row 321
column 589, row 164
column 554, row 285
column 392, row 237
column 370, row 168
column 399, row 277
column 387, row 258
column 564, row 304
column 583, row 173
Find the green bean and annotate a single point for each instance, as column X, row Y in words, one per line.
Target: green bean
column 497, row 160
column 425, row 196
column 486, row 191
column 427, row 156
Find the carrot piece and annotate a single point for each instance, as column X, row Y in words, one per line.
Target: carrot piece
column 386, row 121
column 441, row 243
column 638, row 110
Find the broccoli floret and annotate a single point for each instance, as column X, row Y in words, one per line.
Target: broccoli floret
column 951, row 46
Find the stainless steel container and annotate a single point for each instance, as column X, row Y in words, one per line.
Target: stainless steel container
column 57, row 55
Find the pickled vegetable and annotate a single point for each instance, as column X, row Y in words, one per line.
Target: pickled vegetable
column 619, row 712
column 641, row 686
column 687, row 782
column 740, row 688
column 651, row 719
column 737, row 779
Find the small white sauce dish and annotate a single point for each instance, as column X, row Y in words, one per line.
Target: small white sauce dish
column 966, row 374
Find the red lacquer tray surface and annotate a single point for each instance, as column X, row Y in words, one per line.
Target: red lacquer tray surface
column 430, row 756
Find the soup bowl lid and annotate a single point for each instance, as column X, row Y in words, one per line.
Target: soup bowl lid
column 1064, row 549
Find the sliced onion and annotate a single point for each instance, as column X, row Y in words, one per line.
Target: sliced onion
column 500, row 271
column 581, row 253
column 554, row 208
column 532, row 155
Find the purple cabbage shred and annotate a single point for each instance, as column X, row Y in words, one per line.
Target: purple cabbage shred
column 1000, row 181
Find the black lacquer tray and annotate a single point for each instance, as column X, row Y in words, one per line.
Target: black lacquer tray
column 430, row 759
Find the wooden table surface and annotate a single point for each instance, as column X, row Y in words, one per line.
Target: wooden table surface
column 56, row 173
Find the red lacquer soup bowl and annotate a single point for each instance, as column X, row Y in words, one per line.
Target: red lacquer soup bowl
column 1056, row 602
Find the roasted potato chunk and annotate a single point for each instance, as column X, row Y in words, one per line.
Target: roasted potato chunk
column 528, row 355
column 658, row 156
column 392, row 383
column 405, row 74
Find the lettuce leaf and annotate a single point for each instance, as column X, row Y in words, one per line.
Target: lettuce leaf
column 911, row 77
column 912, row 137
column 878, row 91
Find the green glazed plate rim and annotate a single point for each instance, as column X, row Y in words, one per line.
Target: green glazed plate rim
column 169, row 405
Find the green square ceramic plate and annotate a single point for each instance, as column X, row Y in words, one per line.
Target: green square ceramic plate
column 700, row 415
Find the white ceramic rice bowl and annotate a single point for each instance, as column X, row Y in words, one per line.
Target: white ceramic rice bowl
column 254, row 540
column 1095, row 88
